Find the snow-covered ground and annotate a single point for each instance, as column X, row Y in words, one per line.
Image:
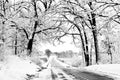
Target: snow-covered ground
column 112, row 70
column 15, row 68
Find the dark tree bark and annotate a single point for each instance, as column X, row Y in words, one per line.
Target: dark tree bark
column 86, row 47
column 109, row 47
column 110, row 53
column 96, row 45
column 30, row 42
column 91, row 46
column 86, row 56
column 29, row 46
column 3, row 22
column 92, row 21
column 16, row 44
column 2, row 36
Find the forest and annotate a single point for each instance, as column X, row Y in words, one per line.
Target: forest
column 91, row 25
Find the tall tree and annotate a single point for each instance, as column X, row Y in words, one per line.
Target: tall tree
column 91, row 14
column 92, row 20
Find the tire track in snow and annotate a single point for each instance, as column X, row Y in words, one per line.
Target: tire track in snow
column 61, row 75
column 84, row 75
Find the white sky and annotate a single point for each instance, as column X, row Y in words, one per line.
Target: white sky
column 59, row 48
column 62, row 47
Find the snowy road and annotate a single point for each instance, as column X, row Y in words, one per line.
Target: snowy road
column 72, row 74
column 84, row 75
column 63, row 71
column 15, row 68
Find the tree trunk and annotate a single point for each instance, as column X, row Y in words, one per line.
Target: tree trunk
column 86, row 56
column 94, row 31
column 86, row 47
column 111, row 58
column 96, row 45
column 109, row 49
column 16, row 44
column 91, row 46
column 3, row 27
column 30, row 43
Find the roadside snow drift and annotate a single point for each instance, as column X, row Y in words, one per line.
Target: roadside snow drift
column 108, row 69
column 15, row 68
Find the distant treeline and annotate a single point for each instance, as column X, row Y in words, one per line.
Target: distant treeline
column 66, row 54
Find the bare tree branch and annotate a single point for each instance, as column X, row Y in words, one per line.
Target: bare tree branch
column 15, row 25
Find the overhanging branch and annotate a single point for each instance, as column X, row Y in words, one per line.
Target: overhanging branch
column 51, row 28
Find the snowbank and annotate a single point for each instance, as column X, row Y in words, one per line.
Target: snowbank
column 106, row 69
column 15, row 68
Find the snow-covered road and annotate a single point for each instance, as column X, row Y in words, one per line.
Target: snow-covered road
column 53, row 74
column 70, row 74
column 85, row 75
column 15, row 68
